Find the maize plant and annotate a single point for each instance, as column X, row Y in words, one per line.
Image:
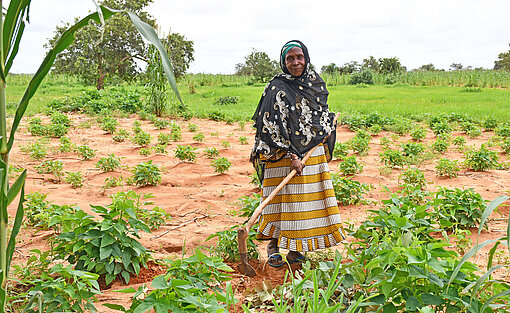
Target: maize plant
column 12, row 26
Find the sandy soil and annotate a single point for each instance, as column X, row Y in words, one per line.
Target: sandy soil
column 193, row 192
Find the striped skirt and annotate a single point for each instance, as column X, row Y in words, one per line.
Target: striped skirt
column 304, row 215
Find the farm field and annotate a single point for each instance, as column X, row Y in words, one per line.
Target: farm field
column 202, row 202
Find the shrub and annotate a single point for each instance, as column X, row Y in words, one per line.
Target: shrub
column 221, row 165
column 226, row 100
column 146, row 174
column 109, row 164
column 186, row 153
column 481, row 159
column 364, row 77
column 446, row 167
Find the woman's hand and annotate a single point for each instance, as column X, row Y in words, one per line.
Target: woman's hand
column 297, row 165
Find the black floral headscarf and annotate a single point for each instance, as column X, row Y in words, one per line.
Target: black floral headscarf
column 292, row 115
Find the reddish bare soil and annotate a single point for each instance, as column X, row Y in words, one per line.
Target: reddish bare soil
column 194, row 192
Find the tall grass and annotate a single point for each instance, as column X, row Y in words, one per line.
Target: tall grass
column 466, row 78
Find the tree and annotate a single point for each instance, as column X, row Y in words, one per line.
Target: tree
column 180, row 51
column 330, row 68
column 257, row 64
column 96, row 60
column 427, row 67
column 370, row 64
column 350, row 67
column 456, row 66
column 503, row 62
column 390, row 65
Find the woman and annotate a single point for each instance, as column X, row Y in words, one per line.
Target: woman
column 292, row 117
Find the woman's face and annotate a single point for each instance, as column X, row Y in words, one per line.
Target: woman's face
column 295, row 61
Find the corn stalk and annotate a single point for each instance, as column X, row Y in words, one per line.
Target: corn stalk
column 12, row 26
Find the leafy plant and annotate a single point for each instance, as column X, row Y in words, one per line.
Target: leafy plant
column 64, row 289
column 109, row 124
column 86, row 152
column 459, row 207
column 441, row 127
column 350, row 166
column 348, row 191
column 54, row 167
column 225, row 144
column 190, row 285
column 227, row 247
column 243, row 140
column 226, row 100
column 164, row 139
column 440, row 145
column 160, row 123
column 418, row 133
column 36, row 127
column 192, row 127
column 109, row 164
column 65, row 145
column 413, row 176
column 120, row 135
column 145, row 151
column 459, row 141
column 393, row 158
column 481, row 159
column 186, row 153
column 75, row 179
column 142, row 138
column 447, row 167
column 341, row 150
column 160, row 148
column 221, row 165
column 57, row 130
column 108, row 247
column 36, row 150
column 199, row 137
column 146, row 173
column 503, row 130
column 505, row 145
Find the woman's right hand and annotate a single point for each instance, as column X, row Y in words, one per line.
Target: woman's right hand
column 297, row 165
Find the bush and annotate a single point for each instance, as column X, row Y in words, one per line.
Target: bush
column 365, row 77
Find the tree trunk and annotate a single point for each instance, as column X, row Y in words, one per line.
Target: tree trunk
column 100, row 74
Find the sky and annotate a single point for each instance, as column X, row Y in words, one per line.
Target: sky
column 441, row 32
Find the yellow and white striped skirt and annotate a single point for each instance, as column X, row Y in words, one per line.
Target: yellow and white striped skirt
column 304, row 215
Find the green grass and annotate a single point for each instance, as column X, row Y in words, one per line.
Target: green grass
column 407, row 100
